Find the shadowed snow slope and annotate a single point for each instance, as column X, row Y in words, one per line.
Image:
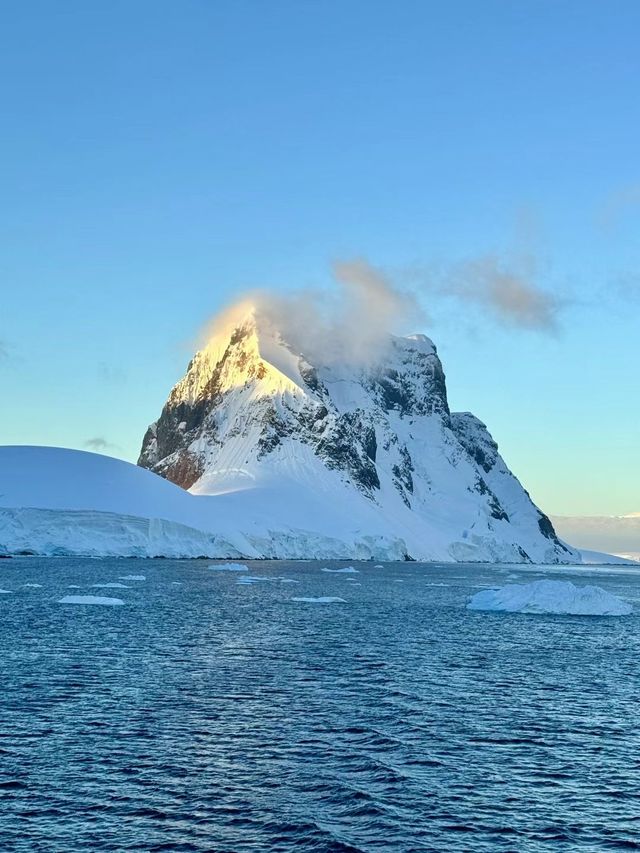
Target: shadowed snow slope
column 551, row 596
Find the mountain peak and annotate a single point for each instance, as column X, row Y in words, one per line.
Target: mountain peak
column 371, row 440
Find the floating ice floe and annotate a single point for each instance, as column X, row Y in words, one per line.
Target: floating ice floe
column 90, row 599
column 110, row 586
column 229, row 567
column 378, row 567
column 323, row 599
column 348, row 570
column 133, row 577
column 6, row 591
column 551, row 596
column 34, row 585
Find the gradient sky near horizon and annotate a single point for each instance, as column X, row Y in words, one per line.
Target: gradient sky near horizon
column 158, row 159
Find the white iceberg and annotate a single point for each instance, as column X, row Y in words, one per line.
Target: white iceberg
column 133, row 577
column 550, row 596
column 323, row 599
column 348, row 570
column 230, row 567
column 90, row 599
column 110, row 586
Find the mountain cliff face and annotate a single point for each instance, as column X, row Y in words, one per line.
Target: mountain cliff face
column 365, row 454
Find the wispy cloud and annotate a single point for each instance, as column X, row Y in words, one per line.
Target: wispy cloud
column 618, row 204
column 110, row 374
column 349, row 323
column 98, row 443
column 507, row 289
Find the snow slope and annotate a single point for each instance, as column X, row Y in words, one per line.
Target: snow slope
column 55, row 501
column 550, row 596
column 599, row 558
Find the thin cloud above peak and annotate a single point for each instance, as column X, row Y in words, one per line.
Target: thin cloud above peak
column 99, row 444
column 507, row 290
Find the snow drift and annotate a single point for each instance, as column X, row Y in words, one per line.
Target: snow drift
column 550, row 596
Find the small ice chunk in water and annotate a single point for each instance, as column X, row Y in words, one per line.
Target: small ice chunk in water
column 6, row 591
column 551, row 596
column 348, row 570
column 133, row 577
column 34, row 585
column 229, row 567
column 90, row 599
column 249, row 579
column 378, row 567
column 323, row 599
column 110, row 586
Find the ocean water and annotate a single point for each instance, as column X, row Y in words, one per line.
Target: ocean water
column 211, row 712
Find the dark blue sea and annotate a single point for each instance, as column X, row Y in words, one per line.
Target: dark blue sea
column 205, row 714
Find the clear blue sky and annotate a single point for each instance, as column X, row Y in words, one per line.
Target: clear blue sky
column 157, row 159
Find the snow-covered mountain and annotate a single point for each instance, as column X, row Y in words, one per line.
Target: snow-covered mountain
column 321, row 448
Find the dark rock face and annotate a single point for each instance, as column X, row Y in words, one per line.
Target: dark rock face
column 347, row 445
column 474, row 437
column 548, row 531
column 417, row 387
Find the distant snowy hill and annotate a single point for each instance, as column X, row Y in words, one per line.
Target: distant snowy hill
column 618, row 535
column 365, row 454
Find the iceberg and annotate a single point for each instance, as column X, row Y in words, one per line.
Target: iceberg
column 348, row 570
column 323, row 599
column 230, row 567
column 90, row 599
column 550, row 596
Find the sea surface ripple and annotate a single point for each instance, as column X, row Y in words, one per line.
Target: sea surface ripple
column 211, row 715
